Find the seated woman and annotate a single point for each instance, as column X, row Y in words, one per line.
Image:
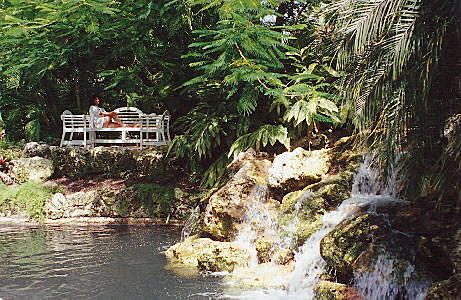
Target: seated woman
column 103, row 119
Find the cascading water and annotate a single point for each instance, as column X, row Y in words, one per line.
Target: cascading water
column 366, row 193
column 190, row 223
column 383, row 282
column 257, row 222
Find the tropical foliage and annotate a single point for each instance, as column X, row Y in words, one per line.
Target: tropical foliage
column 56, row 54
column 244, row 73
column 395, row 53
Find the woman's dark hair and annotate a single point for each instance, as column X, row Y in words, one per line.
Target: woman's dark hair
column 94, row 97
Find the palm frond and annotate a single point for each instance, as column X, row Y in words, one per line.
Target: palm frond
column 266, row 134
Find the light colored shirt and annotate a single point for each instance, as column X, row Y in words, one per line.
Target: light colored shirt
column 96, row 119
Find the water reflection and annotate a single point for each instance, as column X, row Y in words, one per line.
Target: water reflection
column 122, row 262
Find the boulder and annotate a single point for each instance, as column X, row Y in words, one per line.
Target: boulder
column 300, row 215
column 282, row 256
column 262, row 276
column 327, row 290
column 36, row 169
column 6, row 179
column 298, row 169
column 334, row 189
column 78, row 204
column 446, row 289
column 264, row 249
column 54, row 208
column 207, row 255
column 359, row 247
column 32, row 149
column 353, row 243
column 228, row 206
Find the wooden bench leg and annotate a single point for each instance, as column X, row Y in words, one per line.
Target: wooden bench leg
column 62, row 139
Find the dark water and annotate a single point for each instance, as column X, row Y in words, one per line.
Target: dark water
column 110, row 262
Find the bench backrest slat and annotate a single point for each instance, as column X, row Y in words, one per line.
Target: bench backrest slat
column 151, row 121
column 71, row 121
column 129, row 115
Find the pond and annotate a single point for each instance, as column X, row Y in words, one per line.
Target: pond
column 94, row 262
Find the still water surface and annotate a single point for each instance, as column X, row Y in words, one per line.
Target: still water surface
column 107, row 262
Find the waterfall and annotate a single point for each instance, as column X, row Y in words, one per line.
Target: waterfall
column 366, row 193
column 257, row 223
column 382, row 282
column 190, row 223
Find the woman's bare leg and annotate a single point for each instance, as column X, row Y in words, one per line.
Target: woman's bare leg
column 116, row 119
column 107, row 122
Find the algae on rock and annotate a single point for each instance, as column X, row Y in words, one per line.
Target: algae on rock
column 228, row 205
column 207, row 255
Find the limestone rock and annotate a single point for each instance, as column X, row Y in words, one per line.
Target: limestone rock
column 360, row 244
column 120, row 162
column 54, row 208
column 346, row 246
column 446, row 289
column 261, row 276
column 37, row 169
column 6, row 179
column 301, row 215
column 295, row 170
column 264, row 250
column 326, row 290
column 282, row 256
column 207, row 255
column 78, row 204
column 32, row 149
column 228, row 205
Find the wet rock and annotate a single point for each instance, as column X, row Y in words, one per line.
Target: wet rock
column 207, row 255
column 282, row 256
column 301, row 215
column 36, row 169
column 227, row 206
column 264, row 250
column 334, row 189
column 326, row 290
column 295, row 170
column 265, row 275
column 446, row 289
column 351, row 240
column 359, row 245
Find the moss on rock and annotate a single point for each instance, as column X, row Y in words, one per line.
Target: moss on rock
column 207, row 255
column 326, row 290
column 446, row 289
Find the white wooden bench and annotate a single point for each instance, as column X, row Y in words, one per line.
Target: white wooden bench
column 74, row 124
column 151, row 130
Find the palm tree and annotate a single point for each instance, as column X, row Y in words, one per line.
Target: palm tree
column 402, row 82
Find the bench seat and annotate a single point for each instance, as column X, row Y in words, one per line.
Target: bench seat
column 151, row 130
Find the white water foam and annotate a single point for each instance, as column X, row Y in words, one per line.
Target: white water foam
column 258, row 222
column 191, row 221
column 367, row 193
column 383, row 282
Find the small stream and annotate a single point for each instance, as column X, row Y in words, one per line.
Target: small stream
column 103, row 262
